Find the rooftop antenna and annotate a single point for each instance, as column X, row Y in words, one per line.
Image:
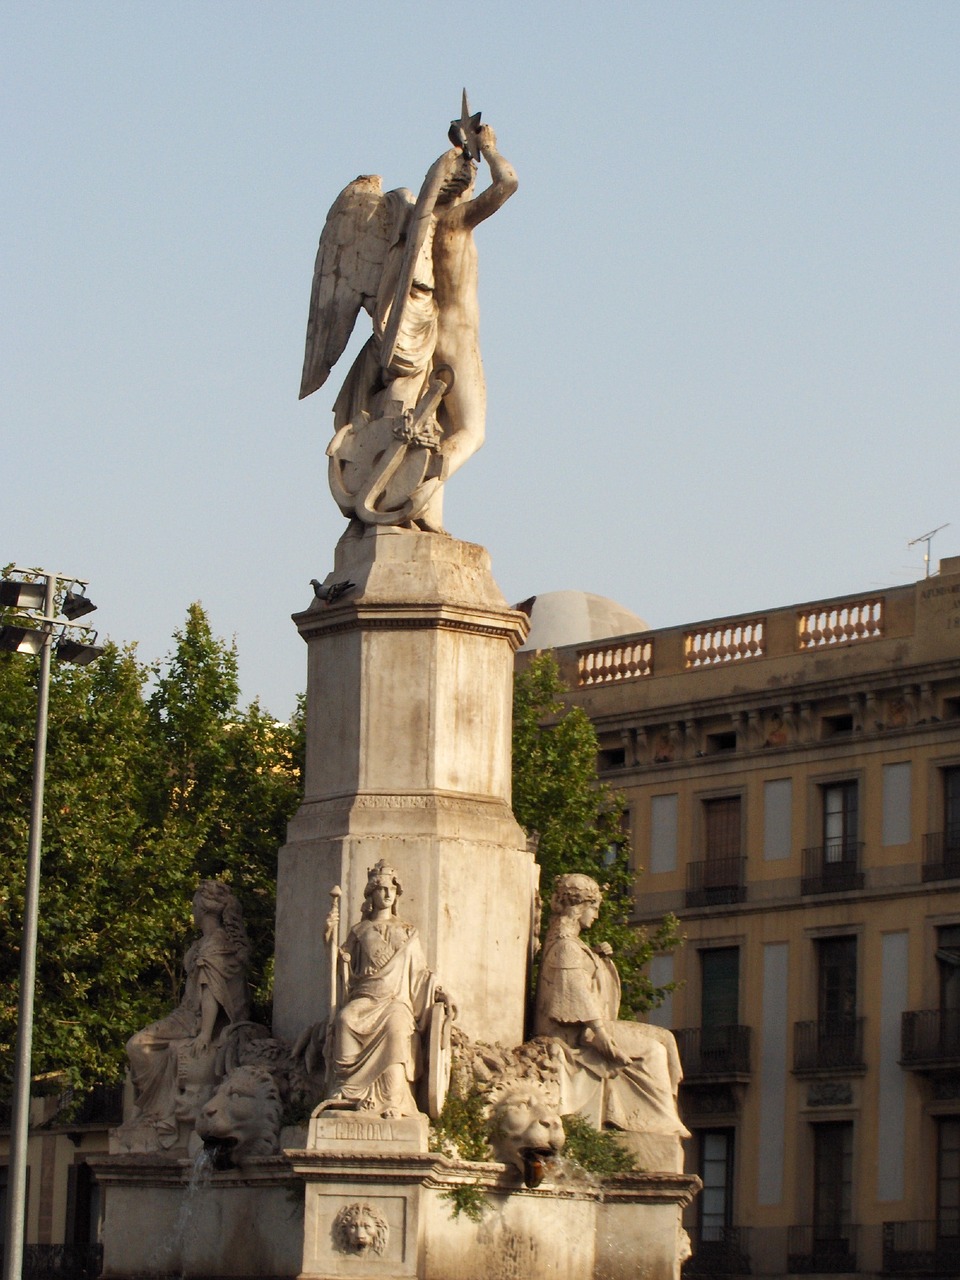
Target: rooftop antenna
column 927, row 538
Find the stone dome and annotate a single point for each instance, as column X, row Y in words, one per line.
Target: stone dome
column 559, row 618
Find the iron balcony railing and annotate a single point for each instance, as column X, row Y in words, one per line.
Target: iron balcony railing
column 832, row 868
column 822, row 1250
column 921, row 1248
column 718, row 1251
column 62, row 1261
column 714, row 1053
column 828, row 1044
column 941, row 854
column 930, row 1038
column 103, row 1104
column 716, row 882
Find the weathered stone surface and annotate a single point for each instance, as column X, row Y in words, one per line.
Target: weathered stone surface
column 357, row 1133
column 526, row 1132
column 379, row 1043
column 604, row 1229
column 158, row 1221
column 410, row 679
column 173, row 1062
column 407, row 780
column 413, row 407
column 244, row 1112
column 278, row 1217
column 618, row 1074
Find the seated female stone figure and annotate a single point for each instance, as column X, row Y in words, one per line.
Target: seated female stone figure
column 172, row 1062
column 619, row 1074
column 374, row 1053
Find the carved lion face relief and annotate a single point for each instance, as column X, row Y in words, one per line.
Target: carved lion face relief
column 359, row 1229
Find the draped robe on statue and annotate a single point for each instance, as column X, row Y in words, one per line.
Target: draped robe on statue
column 376, row 1055
column 578, row 987
column 212, row 963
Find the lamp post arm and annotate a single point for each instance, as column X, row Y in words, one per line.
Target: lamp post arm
column 20, row 1116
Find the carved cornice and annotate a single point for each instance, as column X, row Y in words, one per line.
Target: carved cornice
column 766, row 726
column 440, row 1173
column 507, row 625
column 768, row 699
column 433, row 802
column 171, row 1171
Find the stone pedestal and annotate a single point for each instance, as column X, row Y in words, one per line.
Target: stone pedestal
column 409, row 695
column 621, row 1228
column 290, row 1216
column 161, row 1220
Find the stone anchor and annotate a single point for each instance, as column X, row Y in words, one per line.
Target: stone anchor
column 386, row 471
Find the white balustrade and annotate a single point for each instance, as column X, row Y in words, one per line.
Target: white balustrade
column 605, row 664
column 840, row 624
column 732, row 642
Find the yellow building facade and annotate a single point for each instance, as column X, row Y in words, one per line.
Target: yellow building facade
column 793, row 785
column 64, row 1209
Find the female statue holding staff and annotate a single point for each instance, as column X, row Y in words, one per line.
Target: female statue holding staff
column 375, row 1056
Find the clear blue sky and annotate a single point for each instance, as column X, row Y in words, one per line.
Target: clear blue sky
column 719, row 319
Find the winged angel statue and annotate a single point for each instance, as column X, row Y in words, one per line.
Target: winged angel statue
column 413, row 405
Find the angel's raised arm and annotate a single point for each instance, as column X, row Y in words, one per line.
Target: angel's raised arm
column 503, row 181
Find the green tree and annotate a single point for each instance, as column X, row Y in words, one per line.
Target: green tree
column 229, row 779
column 576, row 822
column 106, row 899
column 146, row 794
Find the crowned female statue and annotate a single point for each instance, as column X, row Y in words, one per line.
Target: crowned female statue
column 388, row 995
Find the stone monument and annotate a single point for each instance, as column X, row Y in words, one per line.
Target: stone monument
column 406, row 893
column 410, row 642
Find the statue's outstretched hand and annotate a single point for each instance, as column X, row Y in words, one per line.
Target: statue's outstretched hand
column 603, row 949
column 486, row 139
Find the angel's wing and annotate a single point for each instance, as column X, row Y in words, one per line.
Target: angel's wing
column 361, row 226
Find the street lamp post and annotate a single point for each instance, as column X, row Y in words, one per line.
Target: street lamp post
column 24, row 598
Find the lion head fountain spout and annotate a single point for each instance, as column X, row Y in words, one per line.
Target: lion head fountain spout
column 527, row 1132
column 242, row 1119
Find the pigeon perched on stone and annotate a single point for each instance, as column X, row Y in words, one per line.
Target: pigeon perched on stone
column 331, row 594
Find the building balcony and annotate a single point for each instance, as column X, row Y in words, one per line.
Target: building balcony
column 832, row 868
column 720, row 1054
column 102, row 1105
column 97, row 1108
column 821, row 1250
column 716, row 882
column 930, row 1040
column 921, row 1248
column 828, row 1046
column 718, row 1251
column 941, row 855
